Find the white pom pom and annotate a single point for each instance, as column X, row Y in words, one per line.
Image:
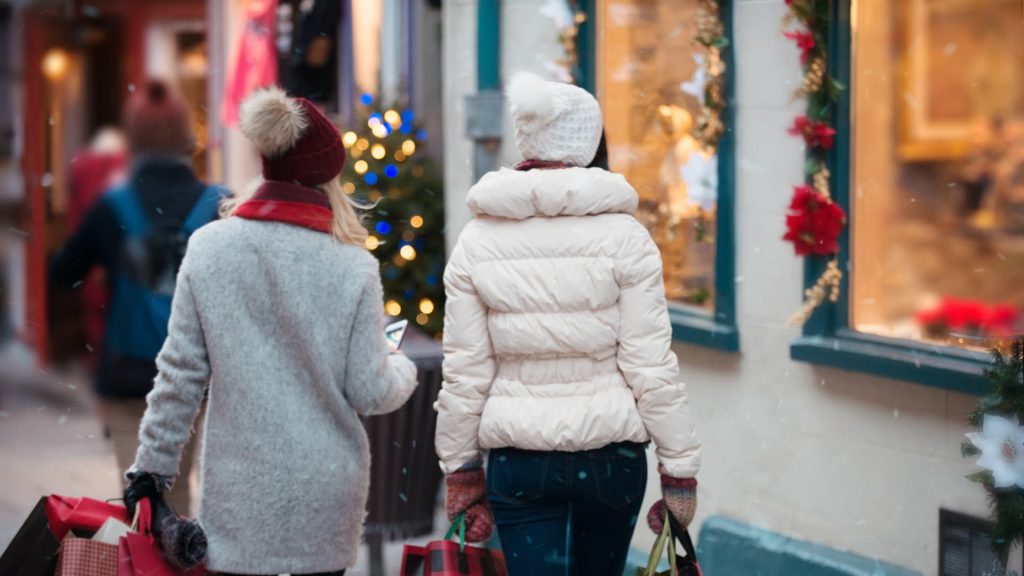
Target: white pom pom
column 531, row 97
column 272, row 121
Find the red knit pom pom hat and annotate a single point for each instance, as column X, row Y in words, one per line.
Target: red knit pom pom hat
column 297, row 142
column 157, row 121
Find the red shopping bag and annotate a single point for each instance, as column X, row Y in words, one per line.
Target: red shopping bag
column 84, row 557
column 138, row 553
column 447, row 558
column 85, row 514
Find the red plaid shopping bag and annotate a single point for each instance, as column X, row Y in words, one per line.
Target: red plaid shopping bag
column 447, row 558
column 84, row 557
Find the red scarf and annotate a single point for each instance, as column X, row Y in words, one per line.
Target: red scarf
column 527, row 165
column 289, row 203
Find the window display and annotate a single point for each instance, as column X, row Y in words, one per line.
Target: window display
column 937, row 188
column 651, row 80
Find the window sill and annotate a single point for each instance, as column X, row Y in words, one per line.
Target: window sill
column 941, row 367
column 695, row 328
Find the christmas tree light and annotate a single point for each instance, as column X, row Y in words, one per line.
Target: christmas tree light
column 407, row 220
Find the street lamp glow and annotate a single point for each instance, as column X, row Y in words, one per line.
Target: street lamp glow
column 55, row 64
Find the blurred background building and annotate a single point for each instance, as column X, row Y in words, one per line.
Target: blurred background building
column 69, row 65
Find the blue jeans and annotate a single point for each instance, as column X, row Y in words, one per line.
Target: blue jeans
column 567, row 513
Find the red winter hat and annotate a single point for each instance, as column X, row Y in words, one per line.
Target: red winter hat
column 297, row 142
column 157, row 121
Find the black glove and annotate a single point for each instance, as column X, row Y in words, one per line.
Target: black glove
column 182, row 540
column 141, row 485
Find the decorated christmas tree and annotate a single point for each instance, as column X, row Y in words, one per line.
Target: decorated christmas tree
column 406, row 218
column 1000, row 446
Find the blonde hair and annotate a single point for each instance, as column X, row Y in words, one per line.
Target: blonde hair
column 347, row 223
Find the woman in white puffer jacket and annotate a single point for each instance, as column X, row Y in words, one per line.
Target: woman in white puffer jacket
column 558, row 353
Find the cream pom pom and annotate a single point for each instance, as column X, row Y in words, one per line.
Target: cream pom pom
column 272, row 121
column 531, row 97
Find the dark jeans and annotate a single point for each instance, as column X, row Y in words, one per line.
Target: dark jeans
column 567, row 513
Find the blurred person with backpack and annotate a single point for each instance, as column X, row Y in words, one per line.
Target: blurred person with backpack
column 138, row 232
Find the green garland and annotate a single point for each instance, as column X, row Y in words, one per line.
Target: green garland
column 813, row 201
column 1006, row 398
column 711, row 35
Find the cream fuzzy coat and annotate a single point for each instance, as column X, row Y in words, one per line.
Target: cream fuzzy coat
column 557, row 335
column 283, row 326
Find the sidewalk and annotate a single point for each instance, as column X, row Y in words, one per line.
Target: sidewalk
column 51, row 442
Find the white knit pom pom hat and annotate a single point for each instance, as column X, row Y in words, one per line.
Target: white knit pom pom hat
column 554, row 121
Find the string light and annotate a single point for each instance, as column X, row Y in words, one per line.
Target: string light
column 416, row 221
column 361, row 167
column 422, row 319
column 380, row 131
column 363, row 144
column 391, row 171
column 409, row 147
column 393, row 308
column 372, row 243
column 408, row 252
column 408, row 236
column 370, row 178
column 427, row 306
column 348, row 187
column 349, row 139
column 378, row 151
column 399, row 156
column 392, row 117
column 366, row 99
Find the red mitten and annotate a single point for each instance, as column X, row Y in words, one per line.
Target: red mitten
column 467, row 492
column 679, row 495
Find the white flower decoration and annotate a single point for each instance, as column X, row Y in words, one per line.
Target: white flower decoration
column 701, row 176
column 1001, row 442
column 559, row 11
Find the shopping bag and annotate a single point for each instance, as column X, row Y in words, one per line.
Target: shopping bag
column 138, row 553
column 678, row 565
column 83, row 514
column 447, row 558
column 33, row 551
column 85, row 557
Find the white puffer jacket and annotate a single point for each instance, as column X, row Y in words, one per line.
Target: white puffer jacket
column 557, row 335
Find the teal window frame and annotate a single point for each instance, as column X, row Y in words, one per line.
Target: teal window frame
column 828, row 338
column 718, row 329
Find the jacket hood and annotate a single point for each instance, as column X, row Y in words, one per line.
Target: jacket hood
column 518, row 195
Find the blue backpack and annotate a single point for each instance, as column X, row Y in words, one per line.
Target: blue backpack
column 143, row 288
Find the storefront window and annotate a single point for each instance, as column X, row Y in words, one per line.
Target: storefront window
column 650, row 80
column 937, row 188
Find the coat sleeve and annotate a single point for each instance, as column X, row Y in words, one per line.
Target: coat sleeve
column 183, row 374
column 376, row 381
column 646, row 359
column 469, row 368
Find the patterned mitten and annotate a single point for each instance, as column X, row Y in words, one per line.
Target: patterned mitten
column 679, row 495
column 467, row 492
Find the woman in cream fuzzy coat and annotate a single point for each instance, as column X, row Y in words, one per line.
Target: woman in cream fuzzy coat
column 278, row 316
column 558, row 353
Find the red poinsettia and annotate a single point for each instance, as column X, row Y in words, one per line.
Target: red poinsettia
column 804, row 41
column 816, row 134
column 963, row 315
column 814, row 223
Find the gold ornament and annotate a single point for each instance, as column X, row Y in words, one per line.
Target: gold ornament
column 814, row 79
column 827, row 286
column 821, row 178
